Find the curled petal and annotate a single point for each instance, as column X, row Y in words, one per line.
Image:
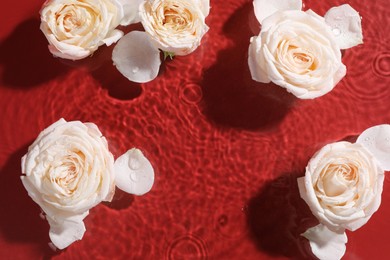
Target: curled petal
column 377, row 140
column 346, row 25
column 113, row 37
column 64, row 232
column 130, row 10
column 326, row 244
column 264, row 8
column 133, row 173
column 136, row 57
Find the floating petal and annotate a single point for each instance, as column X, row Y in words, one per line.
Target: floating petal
column 136, row 57
column 133, row 172
column 346, row 25
column 326, row 244
column 377, row 140
column 264, row 8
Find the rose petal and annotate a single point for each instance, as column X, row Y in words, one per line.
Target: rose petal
column 204, row 6
column 326, row 244
column 64, row 232
column 264, row 8
column 346, row 25
column 133, row 172
column 256, row 70
column 130, row 10
column 136, row 57
column 113, row 37
column 377, row 140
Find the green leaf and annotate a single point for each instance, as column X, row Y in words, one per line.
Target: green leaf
column 168, row 54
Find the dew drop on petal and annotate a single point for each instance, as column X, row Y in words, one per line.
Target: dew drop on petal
column 134, row 173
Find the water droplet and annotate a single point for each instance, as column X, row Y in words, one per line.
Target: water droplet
column 133, row 176
column 135, row 70
column 367, row 139
column 336, row 31
column 134, row 164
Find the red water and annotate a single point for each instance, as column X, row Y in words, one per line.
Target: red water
column 226, row 150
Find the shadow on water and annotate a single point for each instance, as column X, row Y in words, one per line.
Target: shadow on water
column 277, row 216
column 27, row 62
column 103, row 70
column 19, row 219
column 26, row 59
column 230, row 96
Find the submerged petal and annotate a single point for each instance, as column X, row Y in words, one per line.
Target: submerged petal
column 133, row 172
column 377, row 140
column 264, row 8
column 136, row 57
column 346, row 25
column 326, row 244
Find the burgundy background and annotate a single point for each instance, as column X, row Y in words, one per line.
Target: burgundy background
column 226, row 150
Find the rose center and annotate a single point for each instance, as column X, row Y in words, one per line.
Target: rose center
column 68, row 173
column 176, row 18
column 337, row 178
column 302, row 57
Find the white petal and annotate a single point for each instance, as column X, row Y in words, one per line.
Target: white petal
column 377, row 140
column 113, row 37
column 302, row 188
column 204, row 6
column 257, row 72
column 133, row 172
column 264, row 8
column 130, row 10
column 136, row 57
column 326, row 244
column 346, row 25
column 64, row 232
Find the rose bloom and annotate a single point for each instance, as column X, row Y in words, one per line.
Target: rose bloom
column 68, row 170
column 75, row 28
column 296, row 50
column 175, row 26
column 342, row 186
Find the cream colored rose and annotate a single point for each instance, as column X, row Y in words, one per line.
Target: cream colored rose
column 68, row 170
column 296, row 50
column 76, row 28
column 175, row 26
column 342, row 185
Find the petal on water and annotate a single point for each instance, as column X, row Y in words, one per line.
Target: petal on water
column 64, row 232
column 377, row 140
column 264, row 8
column 134, row 173
column 326, row 244
column 346, row 25
column 136, row 57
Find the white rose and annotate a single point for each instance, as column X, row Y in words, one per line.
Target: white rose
column 175, row 26
column 68, row 170
column 296, row 50
column 75, row 28
column 343, row 185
